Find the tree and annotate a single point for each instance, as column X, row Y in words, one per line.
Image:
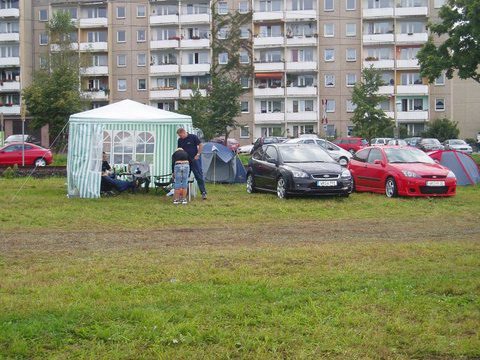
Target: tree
column 197, row 107
column 369, row 120
column 442, row 129
column 460, row 51
column 54, row 93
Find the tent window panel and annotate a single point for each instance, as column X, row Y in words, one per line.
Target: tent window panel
column 145, row 146
column 107, row 143
column 122, row 147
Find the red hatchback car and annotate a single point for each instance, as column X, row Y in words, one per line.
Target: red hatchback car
column 404, row 171
column 11, row 154
column 352, row 144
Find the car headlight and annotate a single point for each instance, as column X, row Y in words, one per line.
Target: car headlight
column 451, row 175
column 410, row 174
column 346, row 174
column 299, row 174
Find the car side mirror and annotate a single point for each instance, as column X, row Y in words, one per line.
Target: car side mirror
column 379, row 162
column 438, row 162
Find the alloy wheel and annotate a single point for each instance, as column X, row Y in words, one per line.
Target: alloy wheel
column 281, row 188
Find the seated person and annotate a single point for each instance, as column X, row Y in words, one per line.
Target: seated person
column 109, row 181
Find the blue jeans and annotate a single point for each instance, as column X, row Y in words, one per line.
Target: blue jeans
column 120, row 185
column 181, row 172
column 196, row 168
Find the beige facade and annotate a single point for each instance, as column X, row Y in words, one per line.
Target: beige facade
column 306, row 56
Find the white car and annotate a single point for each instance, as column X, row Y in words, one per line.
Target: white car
column 336, row 152
column 245, row 149
column 459, row 145
column 379, row 141
column 397, row 142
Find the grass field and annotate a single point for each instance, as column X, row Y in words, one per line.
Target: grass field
column 237, row 276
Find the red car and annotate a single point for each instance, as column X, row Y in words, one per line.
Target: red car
column 404, row 171
column 11, row 154
column 352, row 144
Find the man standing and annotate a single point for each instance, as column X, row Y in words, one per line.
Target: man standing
column 192, row 145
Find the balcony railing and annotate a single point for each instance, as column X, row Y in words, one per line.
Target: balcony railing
column 268, row 41
column 164, row 68
column 9, row 13
column 269, row 118
column 268, row 91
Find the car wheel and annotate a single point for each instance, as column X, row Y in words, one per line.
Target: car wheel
column 343, row 161
column 281, row 188
column 352, row 151
column 250, row 184
column 390, row 187
column 40, row 162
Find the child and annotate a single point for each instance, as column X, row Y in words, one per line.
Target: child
column 180, row 170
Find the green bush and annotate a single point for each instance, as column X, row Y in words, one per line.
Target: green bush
column 442, row 129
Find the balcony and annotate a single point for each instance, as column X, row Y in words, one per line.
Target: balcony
column 378, row 38
column 390, row 114
column 302, row 41
column 267, row 15
column 163, row 19
column 99, row 95
column 163, row 44
column 386, row 12
column 94, row 46
column 195, row 18
column 412, row 116
column 411, row 11
column 305, row 116
column 269, row 66
column 10, row 86
column 164, row 93
column 386, row 90
column 302, row 65
column 95, row 71
column 164, row 69
column 10, row 37
column 56, row 47
column 292, row 15
column 269, row 118
column 93, row 22
column 9, row 13
column 269, row 92
column 188, row 93
column 268, row 41
column 9, row 61
column 10, row 110
column 408, row 64
column 379, row 64
column 412, row 89
column 195, row 69
column 195, row 43
column 412, row 38
column 302, row 91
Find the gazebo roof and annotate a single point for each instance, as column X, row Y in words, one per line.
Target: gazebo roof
column 128, row 111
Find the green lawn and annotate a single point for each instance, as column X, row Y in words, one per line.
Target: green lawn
column 237, row 276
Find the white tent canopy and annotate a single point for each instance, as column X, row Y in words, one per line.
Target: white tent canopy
column 126, row 130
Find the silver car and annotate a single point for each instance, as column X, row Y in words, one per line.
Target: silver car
column 459, row 145
column 337, row 153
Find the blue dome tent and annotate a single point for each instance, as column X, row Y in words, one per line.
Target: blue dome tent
column 462, row 165
column 220, row 164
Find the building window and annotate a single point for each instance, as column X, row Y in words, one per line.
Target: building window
column 351, row 29
column 141, row 59
column 141, row 35
column 329, row 30
column 244, row 106
column 351, row 79
column 302, row 5
column 141, row 11
column 43, row 62
column 43, row 15
column 331, row 132
column 439, row 104
column 222, row 33
column 329, row 80
column 121, row 60
column 328, row 5
column 120, row 12
column 351, row 106
column 43, row 39
column 244, row 33
column 243, row 7
column 330, row 106
column 302, row 106
column 437, row 4
column 122, row 85
column 244, row 132
column 223, row 58
column 329, row 55
column 222, row 8
column 244, row 58
column 351, row 54
column 245, row 82
column 351, row 5
column 440, row 80
column 121, row 36
column 141, row 84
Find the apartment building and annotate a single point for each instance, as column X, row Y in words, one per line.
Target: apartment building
column 306, row 57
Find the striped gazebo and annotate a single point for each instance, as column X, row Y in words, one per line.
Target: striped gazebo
column 126, row 130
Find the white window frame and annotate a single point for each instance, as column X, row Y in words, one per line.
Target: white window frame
column 439, row 99
column 354, row 5
column 329, row 108
column 346, row 80
column 41, row 38
column 442, row 83
column 243, row 11
column 248, row 106
column 248, row 132
column 354, row 33
column 223, row 58
column 325, row 55
column 138, row 58
column 121, row 56
column 325, row 5
column 333, row 77
column 40, row 15
column 118, row 85
column 144, row 12
column 138, row 84
column 124, row 34
column 327, row 33
column 144, row 36
column 124, row 12
column 244, row 53
column 222, row 5
column 347, row 53
column 350, row 106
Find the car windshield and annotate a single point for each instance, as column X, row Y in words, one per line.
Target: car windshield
column 408, row 156
column 304, row 153
column 457, row 142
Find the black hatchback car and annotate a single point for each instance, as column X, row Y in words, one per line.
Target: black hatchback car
column 296, row 169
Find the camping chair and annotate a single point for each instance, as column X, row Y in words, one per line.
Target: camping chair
column 163, row 182
column 140, row 172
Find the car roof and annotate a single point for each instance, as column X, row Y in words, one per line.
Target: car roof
column 20, row 143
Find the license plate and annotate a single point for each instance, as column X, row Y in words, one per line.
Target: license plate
column 326, row 183
column 435, row 183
